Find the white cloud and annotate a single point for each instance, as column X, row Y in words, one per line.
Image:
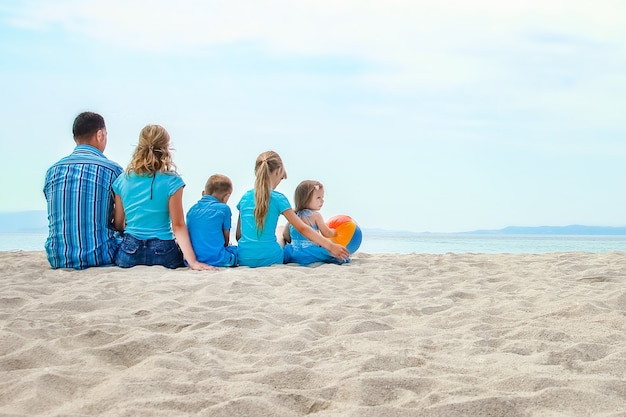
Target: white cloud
column 529, row 56
column 381, row 31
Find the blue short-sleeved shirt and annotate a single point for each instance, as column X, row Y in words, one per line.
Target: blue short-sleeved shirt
column 207, row 220
column 146, row 203
column 80, row 209
column 258, row 248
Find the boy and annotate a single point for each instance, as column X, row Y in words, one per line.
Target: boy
column 209, row 223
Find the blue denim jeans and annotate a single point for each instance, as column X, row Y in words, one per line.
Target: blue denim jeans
column 133, row 251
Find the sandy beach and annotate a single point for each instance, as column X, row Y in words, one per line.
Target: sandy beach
column 387, row 335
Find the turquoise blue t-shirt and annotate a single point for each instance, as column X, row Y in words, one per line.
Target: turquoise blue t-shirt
column 146, row 203
column 258, row 248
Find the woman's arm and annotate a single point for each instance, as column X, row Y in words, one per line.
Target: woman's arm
column 238, row 231
column 177, row 216
column 119, row 217
column 335, row 250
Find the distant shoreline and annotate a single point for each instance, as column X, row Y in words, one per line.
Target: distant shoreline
column 578, row 230
column 572, row 230
column 36, row 221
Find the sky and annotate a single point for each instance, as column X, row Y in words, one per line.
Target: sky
column 425, row 116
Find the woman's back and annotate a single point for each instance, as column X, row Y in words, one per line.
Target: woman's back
column 145, row 199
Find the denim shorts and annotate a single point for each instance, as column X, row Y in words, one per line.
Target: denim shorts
column 133, row 251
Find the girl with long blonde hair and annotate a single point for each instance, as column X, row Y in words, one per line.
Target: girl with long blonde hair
column 149, row 208
column 259, row 210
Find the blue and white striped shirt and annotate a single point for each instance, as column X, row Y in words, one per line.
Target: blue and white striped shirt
column 80, row 209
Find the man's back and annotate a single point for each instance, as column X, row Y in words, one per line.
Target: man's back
column 80, row 207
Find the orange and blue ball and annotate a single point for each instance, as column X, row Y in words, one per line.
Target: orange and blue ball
column 348, row 232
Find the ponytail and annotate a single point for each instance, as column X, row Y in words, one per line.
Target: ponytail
column 266, row 163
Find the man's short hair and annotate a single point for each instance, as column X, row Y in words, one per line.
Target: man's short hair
column 87, row 124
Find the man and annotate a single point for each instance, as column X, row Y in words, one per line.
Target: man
column 80, row 200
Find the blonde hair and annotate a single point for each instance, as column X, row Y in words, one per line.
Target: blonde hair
column 219, row 185
column 304, row 191
column 152, row 153
column 266, row 163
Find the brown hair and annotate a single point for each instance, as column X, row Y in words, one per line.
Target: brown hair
column 218, row 184
column 304, row 191
column 266, row 163
column 152, row 153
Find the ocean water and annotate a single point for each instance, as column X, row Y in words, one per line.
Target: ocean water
column 404, row 243
column 22, row 241
column 480, row 243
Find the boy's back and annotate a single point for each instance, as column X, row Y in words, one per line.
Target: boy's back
column 207, row 220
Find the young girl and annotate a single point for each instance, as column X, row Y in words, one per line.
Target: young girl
column 309, row 198
column 259, row 210
column 149, row 208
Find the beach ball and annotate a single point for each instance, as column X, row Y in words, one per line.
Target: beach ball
column 348, row 232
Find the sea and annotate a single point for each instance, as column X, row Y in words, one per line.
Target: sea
column 428, row 243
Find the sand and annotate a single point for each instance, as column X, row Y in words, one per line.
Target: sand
column 387, row 335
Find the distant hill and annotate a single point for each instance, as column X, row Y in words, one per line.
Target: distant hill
column 575, row 229
column 36, row 221
column 24, row 221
